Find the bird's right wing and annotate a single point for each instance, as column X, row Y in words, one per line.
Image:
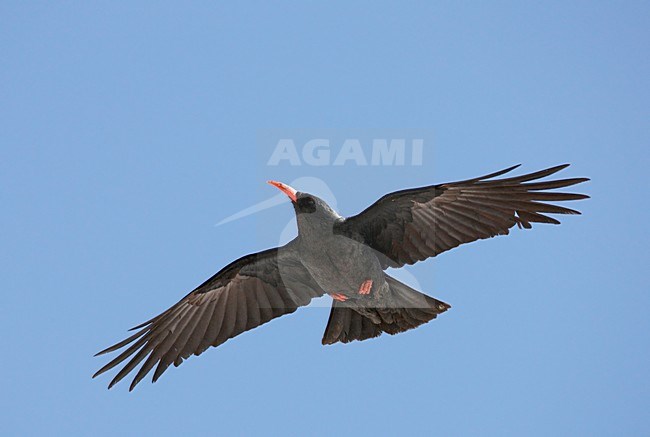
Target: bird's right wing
column 247, row 293
column 412, row 225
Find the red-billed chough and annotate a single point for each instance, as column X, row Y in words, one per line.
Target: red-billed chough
column 345, row 258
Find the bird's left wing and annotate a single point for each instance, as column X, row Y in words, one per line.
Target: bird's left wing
column 412, row 225
column 245, row 294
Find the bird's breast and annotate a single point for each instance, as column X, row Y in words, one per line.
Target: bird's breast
column 341, row 265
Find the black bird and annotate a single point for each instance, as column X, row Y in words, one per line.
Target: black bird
column 345, row 258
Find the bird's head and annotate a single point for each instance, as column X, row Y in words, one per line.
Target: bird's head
column 312, row 212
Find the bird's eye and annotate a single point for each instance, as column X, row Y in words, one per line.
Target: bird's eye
column 307, row 204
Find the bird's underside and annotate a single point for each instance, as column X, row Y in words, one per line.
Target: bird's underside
column 400, row 228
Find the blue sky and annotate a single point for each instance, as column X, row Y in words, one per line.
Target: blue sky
column 127, row 131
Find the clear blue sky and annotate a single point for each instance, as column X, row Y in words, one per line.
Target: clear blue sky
column 128, row 131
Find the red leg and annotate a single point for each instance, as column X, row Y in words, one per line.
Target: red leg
column 365, row 287
column 339, row 297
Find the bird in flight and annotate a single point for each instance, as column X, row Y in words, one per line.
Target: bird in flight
column 345, row 258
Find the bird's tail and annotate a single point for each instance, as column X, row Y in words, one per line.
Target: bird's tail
column 410, row 310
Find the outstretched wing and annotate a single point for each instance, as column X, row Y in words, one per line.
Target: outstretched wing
column 412, row 225
column 247, row 293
